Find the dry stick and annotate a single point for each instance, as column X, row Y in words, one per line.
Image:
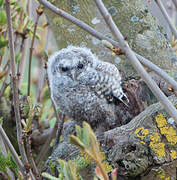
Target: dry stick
column 5, row 84
column 100, row 36
column 14, row 82
column 175, row 3
column 31, row 53
column 12, row 151
column 164, row 12
column 134, row 61
column 60, row 127
column 30, row 156
column 157, row 70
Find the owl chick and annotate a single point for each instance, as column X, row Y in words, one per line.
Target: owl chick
column 85, row 88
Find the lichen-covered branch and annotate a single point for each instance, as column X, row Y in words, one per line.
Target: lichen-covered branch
column 149, row 140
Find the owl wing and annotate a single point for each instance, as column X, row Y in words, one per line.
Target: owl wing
column 109, row 84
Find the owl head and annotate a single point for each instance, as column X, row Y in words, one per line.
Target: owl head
column 70, row 62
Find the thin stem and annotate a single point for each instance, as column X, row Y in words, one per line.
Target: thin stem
column 100, row 36
column 175, row 3
column 157, row 70
column 12, row 150
column 60, row 123
column 164, row 12
column 21, row 63
column 134, row 61
column 5, row 84
column 29, row 153
column 31, row 53
column 14, row 82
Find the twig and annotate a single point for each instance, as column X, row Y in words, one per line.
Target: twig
column 14, row 82
column 5, row 84
column 3, row 175
column 134, row 61
column 175, row 3
column 12, row 151
column 164, row 12
column 30, row 156
column 60, row 128
column 100, row 36
column 31, row 53
column 5, row 70
column 21, row 63
column 157, row 70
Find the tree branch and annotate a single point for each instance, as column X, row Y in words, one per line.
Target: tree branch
column 100, row 36
column 31, row 53
column 134, row 61
column 14, row 82
column 175, row 3
column 12, row 150
column 164, row 12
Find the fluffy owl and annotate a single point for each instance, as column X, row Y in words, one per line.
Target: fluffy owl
column 85, row 88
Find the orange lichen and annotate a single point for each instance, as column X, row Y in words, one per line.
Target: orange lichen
column 166, row 129
column 141, row 132
column 173, row 154
column 161, row 121
column 156, row 145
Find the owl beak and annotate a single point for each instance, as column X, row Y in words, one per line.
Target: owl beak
column 72, row 75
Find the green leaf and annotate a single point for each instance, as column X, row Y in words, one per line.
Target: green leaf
column 1, row 3
column 46, row 175
column 76, row 141
column 3, row 43
column 3, row 18
column 17, row 57
column 18, row 9
column 13, row 2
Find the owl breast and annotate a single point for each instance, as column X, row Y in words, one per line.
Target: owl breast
column 81, row 103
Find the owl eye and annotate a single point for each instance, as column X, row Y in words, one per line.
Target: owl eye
column 80, row 66
column 64, row 69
